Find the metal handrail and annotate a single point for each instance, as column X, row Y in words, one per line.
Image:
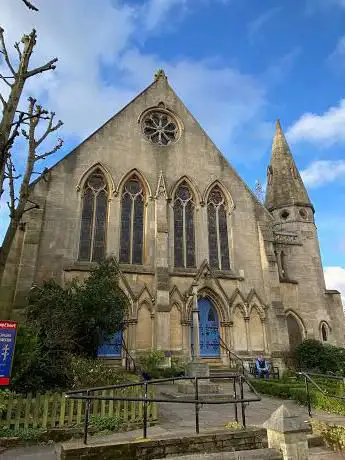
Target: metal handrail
column 224, row 345
column 308, row 378
column 197, row 401
column 128, row 357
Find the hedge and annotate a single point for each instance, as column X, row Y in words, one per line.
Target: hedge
column 296, row 391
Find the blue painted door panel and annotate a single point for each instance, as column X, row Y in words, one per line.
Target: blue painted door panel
column 208, row 329
column 112, row 348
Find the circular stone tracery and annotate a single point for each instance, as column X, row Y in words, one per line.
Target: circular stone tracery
column 160, row 128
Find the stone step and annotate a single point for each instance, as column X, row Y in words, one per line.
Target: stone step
column 257, row 454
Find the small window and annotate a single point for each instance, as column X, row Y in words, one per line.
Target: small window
column 284, row 214
column 324, row 332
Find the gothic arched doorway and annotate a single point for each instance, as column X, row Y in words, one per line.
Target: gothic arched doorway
column 295, row 331
column 208, row 329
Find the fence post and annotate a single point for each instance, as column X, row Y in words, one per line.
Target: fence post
column 197, row 406
column 87, row 411
column 235, row 397
column 243, row 407
column 308, row 395
column 145, row 409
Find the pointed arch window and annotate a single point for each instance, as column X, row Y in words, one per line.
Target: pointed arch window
column 184, row 233
column 324, row 332
column 132, row 222
column 218, row 242
column 94, row 218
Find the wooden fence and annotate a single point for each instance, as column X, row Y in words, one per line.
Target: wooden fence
column 54, row 410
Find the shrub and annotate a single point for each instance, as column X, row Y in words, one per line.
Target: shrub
column 150, row 363
column 27, row 434
column 332, row 435
column 315, row 356
column 297, row 392
column 87, row 373
column 66, row 322
column 107, row 423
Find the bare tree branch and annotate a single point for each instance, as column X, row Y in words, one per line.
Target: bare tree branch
column 4, row 51
column 49, row 66
column 8, row 124
column 12, row 203
column 4, row 103
column 30, row 5
column 4, row 79
column 16, row 45
column 18, row 205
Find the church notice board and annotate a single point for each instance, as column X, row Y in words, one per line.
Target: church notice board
column 8, row 330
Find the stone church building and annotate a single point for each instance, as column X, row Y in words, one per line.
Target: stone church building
column 151, row 189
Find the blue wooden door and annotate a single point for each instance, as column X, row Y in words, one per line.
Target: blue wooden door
column 209, row 329
column 112, row 348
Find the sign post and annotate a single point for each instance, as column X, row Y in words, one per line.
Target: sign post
column 8, row 331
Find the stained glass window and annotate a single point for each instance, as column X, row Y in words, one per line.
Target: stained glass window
column 184, row 233
column 160, row 128
column 132, row 222
column 218, row 243
column 94, row 218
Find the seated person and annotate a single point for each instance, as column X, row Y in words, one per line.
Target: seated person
column 262, row 369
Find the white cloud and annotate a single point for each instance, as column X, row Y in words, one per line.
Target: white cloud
column 255, row 26
column 335, row 279
column 326, row 129
column 337, row 56
column 323, row 171
column 99, row 62
column 101, row 66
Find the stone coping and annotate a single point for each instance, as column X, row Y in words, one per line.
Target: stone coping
column 162, row 445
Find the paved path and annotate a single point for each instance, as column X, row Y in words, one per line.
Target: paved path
column 176, row 418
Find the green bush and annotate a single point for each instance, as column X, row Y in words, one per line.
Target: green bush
column 107, row 423
column 297, row 392
column 27, row 434
column 314, row 356
column 332, row 435
column 151, row 363
column 87, row 373
column 62, row 322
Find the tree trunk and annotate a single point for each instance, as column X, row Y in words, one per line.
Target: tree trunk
column 7, row 244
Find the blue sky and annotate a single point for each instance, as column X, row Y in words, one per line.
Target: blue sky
column 237, row 64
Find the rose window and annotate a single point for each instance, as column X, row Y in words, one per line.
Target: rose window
column 160, row 128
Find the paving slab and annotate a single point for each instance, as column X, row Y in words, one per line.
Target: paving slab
column 177, row 418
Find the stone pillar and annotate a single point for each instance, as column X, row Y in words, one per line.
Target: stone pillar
column 195, row 319
column 288, row 433
column 162, row 323
column 249, row 345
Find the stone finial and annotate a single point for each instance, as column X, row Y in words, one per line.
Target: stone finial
column 288, row 433
column 160, row 74
column 284, row 421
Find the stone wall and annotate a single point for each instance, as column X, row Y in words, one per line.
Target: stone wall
column 151, row 449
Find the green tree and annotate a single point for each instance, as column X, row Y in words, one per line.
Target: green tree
column 63, row 322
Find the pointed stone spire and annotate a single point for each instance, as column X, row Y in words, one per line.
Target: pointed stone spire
column 284, row 183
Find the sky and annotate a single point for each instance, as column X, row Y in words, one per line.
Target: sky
column 238, row 65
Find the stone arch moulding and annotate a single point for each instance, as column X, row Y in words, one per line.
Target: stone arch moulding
column 107, row 175
column 194, row 188
column 259, row 309
column 324, row 328
column 128, row 175
column 230, row 205
column 299, row 321
column 216, row 300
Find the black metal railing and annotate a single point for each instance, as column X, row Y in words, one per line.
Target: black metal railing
column 129, row 360
column 239, row 380
column 309, row 380
column 238, row 361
